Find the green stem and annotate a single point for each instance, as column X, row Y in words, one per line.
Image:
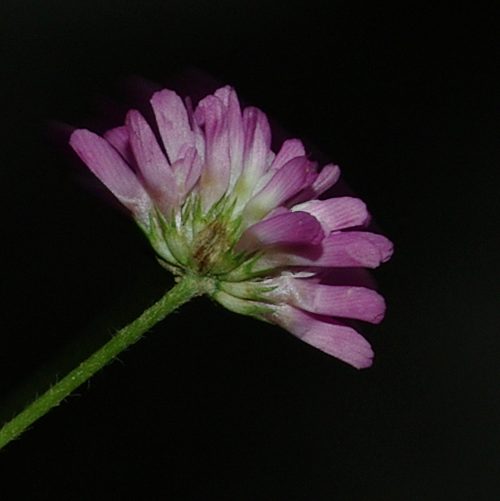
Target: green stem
column 186, row 289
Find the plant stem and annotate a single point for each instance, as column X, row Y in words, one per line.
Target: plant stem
column 186, row 289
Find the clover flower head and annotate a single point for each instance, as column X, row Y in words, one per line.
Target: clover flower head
column 216, row 202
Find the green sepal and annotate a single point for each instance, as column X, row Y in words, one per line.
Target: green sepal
column 250, row 290
column 242, row 306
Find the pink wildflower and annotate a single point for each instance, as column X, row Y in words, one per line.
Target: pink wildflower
column 215, row 201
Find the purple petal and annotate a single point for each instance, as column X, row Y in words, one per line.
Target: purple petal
column 294, row 176
column 235, row 129
column 358, row 303
column 107, row 165
column 155, row 169
column 173, row 124
column 359, row 277
column 211, row 114
column 289, row 228
column 119, row 139
column 349, row 249
column 337, row 213
column 339, row 341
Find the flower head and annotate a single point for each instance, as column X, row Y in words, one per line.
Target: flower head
column 216, row 202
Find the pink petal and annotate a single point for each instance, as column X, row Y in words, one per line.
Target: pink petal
column 337, row 213
column 291, row 148
column 211, row 114
column 294, row 176
column 339, row 341
column 358, row 303
column 107, row 165
column 119, row 139
column 173, row 124
column 289, row 228
column 349, row 249
column 155, row 169
column 235, row 129
column 327, row 177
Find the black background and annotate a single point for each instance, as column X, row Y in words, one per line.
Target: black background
column 209, row 404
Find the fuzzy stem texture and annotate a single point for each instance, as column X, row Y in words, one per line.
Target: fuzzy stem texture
column 182, row 292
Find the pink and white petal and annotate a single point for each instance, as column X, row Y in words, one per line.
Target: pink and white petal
column 110, row 168
column 337, row 340
column 187, row 170
column 353, row 248
column 156, row 171
column 211, row 114
column 349, row 249
column 293, row 177
column 337, row 213
column 257, row 140
column 291, row 148
column 256, row 153
column 173, row 123
column 235, row 129
column 278, row 211
column 327, row 177
column 119, row 139
column 199, row 137
column 284, row 229
column 358, row 303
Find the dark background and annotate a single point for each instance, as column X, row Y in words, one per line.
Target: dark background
column 209, row 404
